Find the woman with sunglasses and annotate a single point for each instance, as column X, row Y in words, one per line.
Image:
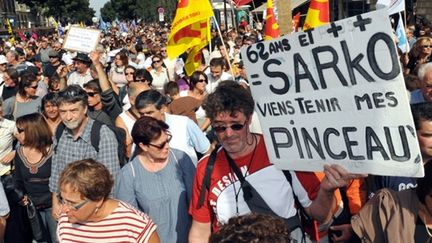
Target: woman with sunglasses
column 158, row 72
column 158, row 180
column 25, row 102
column 197, row 89
column 33, row 168
column 419, row 54
column 88, row 214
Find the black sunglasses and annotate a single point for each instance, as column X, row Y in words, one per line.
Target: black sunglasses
column 33, row 87
column 140, row 79
column 202, row 80
column 162, row 145
column 156, row 61
column 92, row 94
column 234, row 127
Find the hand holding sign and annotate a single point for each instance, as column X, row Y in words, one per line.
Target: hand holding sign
column 336, row 177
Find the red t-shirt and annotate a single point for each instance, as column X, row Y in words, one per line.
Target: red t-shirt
column 221, row 203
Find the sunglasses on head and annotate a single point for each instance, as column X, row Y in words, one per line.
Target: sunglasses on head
column 92, row 94
column 162, row 145
column 234, row 127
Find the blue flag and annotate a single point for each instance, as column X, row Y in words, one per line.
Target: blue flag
column 401, row 35
column 102, row 24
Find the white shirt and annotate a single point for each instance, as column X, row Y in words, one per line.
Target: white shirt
column 213, row 83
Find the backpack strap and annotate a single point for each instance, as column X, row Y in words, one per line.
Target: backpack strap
column 58, row 133
column 95, row 134
column 300, row 207
column 205, row 185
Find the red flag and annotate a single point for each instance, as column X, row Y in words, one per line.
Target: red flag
column 296, row 22
column 271, row 25
column 242, row 2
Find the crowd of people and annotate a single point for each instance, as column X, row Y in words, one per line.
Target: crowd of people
column 120, row 145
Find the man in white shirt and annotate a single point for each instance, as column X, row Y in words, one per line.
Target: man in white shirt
column 216, row 74
column 82, row 74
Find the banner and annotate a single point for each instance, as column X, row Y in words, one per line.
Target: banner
column 335, row 94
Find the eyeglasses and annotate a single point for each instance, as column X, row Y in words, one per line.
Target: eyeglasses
column 33, row 87
column 234, row 127
column 163, row 50
column 92, row 94
column 75, row 207
column 202, row 80
column 141, row 79
column 156, row 61
column 426, row 46
column 162, row 145
column 132, row 73
column 20, row 130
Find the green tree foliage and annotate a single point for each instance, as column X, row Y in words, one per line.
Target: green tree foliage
column 138, row 9
column 108, row 12
column 65, row 10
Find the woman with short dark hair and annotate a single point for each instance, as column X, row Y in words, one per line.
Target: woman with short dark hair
column 88, row 214
column 158, row 181
column 25, row 102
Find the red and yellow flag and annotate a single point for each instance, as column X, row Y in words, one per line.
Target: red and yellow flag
column 189, row 26
column 317, row 15
column 194, row 58
column 271, row 26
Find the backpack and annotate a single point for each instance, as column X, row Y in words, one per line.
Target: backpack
column 119, row 133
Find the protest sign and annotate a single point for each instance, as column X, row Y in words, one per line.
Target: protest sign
column 335, row 94
column 81, row 39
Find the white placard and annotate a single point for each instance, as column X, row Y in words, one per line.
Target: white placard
column 335, row 94
column 81, row 39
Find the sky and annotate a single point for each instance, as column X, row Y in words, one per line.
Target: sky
column 97, row 5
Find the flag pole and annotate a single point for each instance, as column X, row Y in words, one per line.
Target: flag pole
column 223, row 44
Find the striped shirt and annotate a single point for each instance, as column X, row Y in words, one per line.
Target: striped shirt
column 124, row 224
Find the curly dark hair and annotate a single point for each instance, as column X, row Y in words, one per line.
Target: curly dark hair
column 230, row 97
column 252, row 228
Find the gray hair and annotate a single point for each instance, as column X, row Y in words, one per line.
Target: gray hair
column 423, row 69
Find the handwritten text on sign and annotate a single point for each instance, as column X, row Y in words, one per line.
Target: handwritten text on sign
column 81, row 39
column 335, row 94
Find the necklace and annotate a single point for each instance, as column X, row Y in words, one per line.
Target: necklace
column 236, row 193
